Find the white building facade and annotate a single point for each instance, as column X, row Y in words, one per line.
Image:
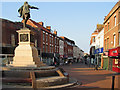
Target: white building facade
column 99, row 47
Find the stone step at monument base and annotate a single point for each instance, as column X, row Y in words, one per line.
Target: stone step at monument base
column 38, row 76
column 28, row 63
column 51, row 81
column 24, row 65
column 26, row 59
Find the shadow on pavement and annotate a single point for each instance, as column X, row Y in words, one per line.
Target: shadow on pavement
column 88, row 75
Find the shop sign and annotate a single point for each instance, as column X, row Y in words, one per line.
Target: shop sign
column 99, row 50
column 113, row 52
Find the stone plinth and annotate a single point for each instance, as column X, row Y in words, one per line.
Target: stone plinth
column 26, row 55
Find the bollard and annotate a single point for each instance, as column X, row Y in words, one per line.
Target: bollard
column 113, row 80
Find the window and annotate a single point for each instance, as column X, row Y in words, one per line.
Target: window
column 46, row 48
column 55, row 48
column 119, row 38
column 93, row 39
column 43, row 37
column 55, row 40
column 105, row 27
column 50, row 39
column 12, row 39
column 108, row 25
column 46, row 37
column 107, row 43
column 114, row 40
column 43, row 48
column 115, row 20
column 35, row 43
column 50, row 49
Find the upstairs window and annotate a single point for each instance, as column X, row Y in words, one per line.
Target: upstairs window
column 43, row 36
column 114, row 40
column 108, row 25
column 107, row 43
column 46, row 37
column 115, row 20
column 119, row 38
column 93, row 39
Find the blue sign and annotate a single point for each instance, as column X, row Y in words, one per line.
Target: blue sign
column 99, row 50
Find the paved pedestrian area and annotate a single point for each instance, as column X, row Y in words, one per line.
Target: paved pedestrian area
column 90, row 78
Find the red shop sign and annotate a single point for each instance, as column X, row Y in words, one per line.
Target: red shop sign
column 113, row 52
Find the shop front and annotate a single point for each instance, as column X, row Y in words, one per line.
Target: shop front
column 114, row 55
column 98, row 56
column 105, row 60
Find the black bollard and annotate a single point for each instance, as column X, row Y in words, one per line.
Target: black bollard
column 113, row 80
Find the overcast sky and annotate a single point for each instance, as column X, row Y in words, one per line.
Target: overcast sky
column 74, row 20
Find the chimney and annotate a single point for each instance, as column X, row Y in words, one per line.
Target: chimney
column 41, row 23
column 55, row 32
column 48, row 28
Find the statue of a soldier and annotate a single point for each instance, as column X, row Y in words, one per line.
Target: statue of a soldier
column 24, row 12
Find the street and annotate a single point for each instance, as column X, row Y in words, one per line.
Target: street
column 90, row 78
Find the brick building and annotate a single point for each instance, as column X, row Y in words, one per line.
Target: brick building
column 46, row 42
column 50, row 47
column 68, row 47
column 112, row 39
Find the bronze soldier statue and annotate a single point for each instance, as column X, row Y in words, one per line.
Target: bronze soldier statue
column 24, row 12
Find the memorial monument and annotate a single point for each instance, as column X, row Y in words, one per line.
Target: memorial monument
column 26, row 55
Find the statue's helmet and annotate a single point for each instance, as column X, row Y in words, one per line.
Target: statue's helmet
column 25, row 2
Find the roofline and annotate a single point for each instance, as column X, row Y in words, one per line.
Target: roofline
column 114, row 9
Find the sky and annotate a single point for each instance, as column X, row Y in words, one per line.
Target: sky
column 75, row 20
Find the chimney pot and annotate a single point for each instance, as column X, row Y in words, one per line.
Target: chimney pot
column 41, row 23
column 55, row 32
column 48, row 27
